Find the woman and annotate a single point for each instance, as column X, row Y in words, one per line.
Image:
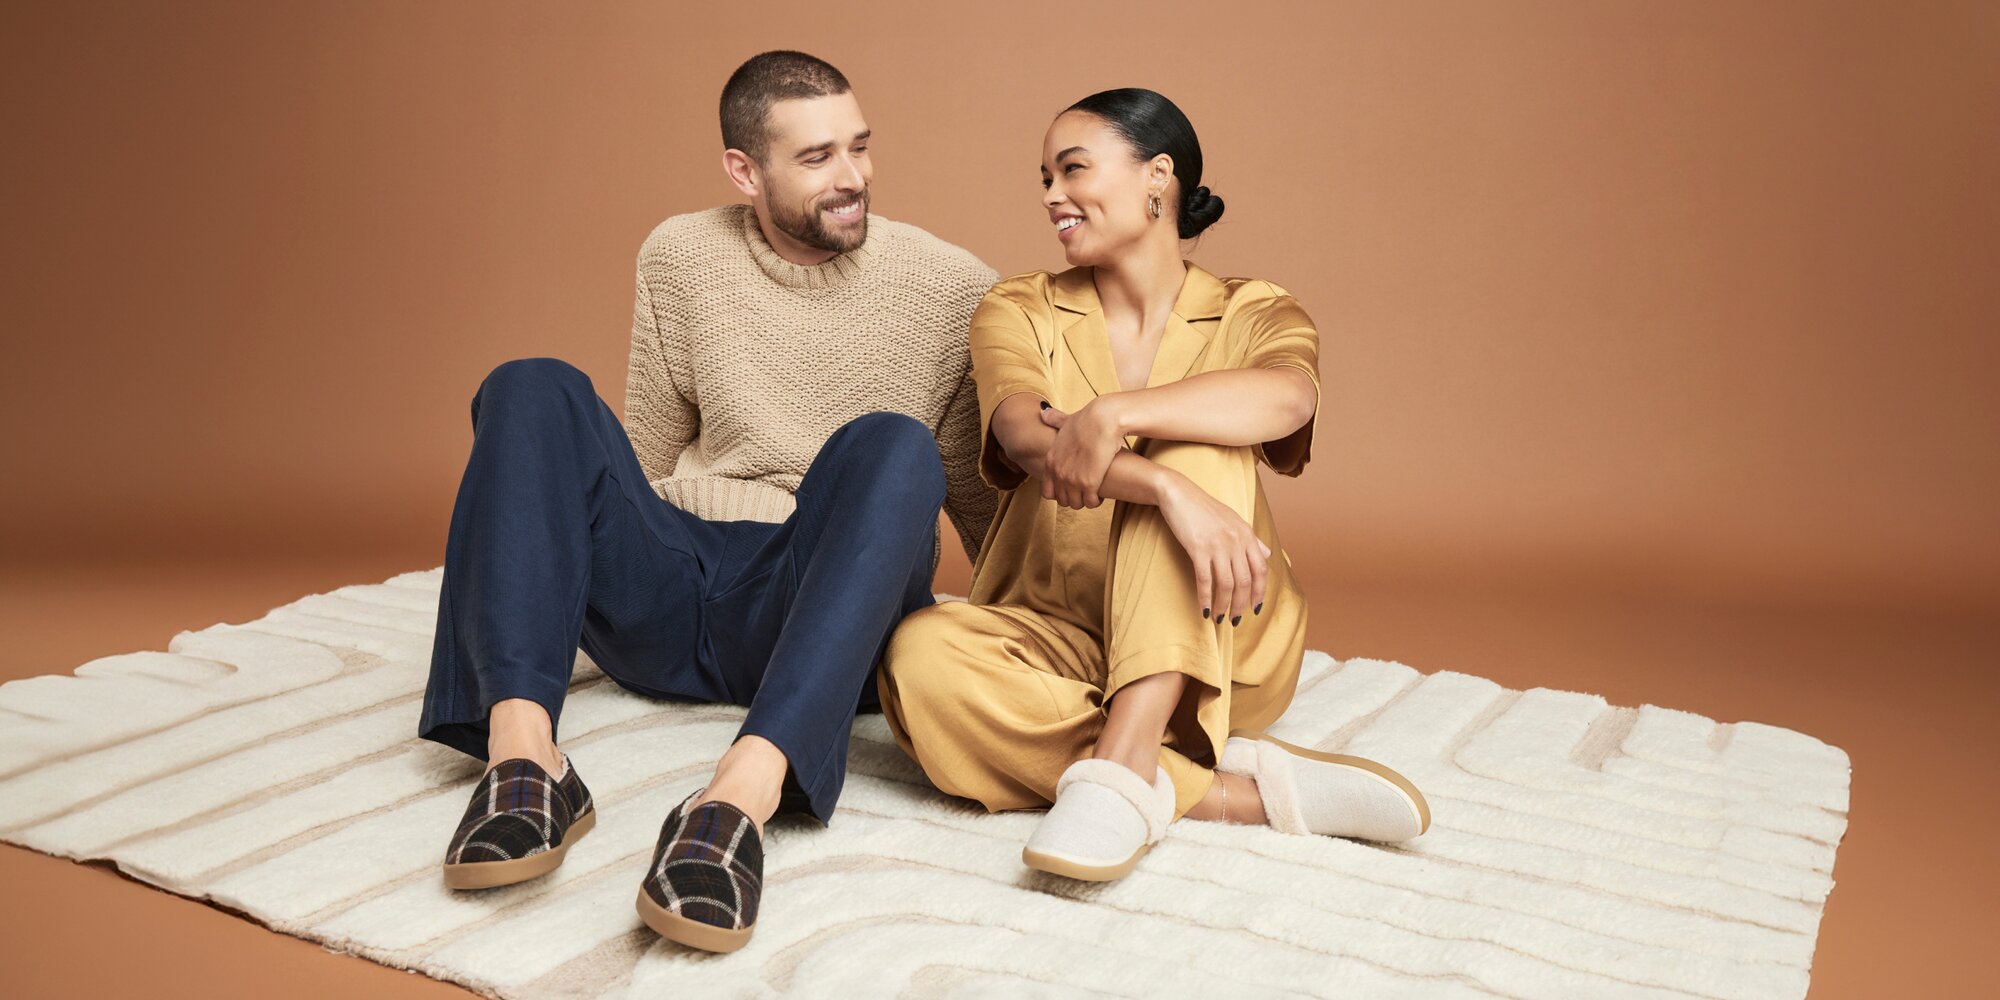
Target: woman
column 1108, row 652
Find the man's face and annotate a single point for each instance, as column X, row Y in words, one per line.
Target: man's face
column 816, row 177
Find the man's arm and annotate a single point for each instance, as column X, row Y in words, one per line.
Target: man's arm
column 968, row 501
column 659, row 418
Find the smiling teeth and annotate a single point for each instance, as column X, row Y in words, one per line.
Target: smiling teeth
column 1070, row 223
column 847, row 209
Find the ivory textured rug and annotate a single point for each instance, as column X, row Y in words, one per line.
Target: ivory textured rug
column 1577, row 849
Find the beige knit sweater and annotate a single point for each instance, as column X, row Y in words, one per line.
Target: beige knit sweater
column 744, row 363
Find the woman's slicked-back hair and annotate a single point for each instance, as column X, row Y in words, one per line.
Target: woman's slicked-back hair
column 764, row 80
column 1153, row 125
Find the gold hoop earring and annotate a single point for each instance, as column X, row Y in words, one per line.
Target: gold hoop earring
column 1153, row 205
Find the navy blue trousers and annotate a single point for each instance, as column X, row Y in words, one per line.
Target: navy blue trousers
column 557, row 540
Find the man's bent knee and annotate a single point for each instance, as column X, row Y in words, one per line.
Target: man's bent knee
column 896, row 449
column 532, row 375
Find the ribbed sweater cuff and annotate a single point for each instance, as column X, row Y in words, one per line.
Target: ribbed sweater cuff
column 718, row 498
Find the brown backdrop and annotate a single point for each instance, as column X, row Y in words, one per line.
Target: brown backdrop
column 1680, row 296
column 1658, row 339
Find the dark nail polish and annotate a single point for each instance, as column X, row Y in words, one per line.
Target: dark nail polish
column 1238, row 620
column 1259, row 609
column 1204, row 612
column 1045, row 404
column 1218, row 619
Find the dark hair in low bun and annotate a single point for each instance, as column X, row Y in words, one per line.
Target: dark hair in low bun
column 1199, row 210
column 1153, row 125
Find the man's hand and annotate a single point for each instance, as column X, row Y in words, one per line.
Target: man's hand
column 1086, row 442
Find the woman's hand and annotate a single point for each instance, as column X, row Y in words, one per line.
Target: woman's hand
column 1230, row 561
column 1086, row 442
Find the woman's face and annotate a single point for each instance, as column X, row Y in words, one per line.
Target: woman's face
column 1089, row 175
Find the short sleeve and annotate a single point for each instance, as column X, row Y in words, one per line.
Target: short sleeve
column 1279, row 333
column 1005, row 361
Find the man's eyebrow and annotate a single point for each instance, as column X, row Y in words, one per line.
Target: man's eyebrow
column 829, row 144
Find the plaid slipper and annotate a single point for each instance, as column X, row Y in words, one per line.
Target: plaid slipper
column 519, row 824
column 708, row 870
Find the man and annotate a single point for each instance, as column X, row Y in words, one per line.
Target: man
column 799, row 406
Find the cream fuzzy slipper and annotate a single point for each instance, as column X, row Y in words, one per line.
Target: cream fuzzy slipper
column 1105, row 819
column 1338, row 795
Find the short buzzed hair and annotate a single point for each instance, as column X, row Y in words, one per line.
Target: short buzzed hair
column 764, row 80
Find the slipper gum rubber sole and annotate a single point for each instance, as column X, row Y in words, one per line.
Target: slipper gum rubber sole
column 1382, row 771
column 488, row 874
column 1085, row 873
column 693, row 933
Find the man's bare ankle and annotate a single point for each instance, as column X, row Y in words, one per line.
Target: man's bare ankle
column 521, row 727
column 545, row 754
column 751, row 777
column 757, row 803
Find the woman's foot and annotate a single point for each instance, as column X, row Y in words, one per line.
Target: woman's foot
column 1105, row 818
column 1337, row 795
column 1231, row 798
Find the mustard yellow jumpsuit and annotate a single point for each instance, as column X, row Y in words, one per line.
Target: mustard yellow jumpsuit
column 995, row 697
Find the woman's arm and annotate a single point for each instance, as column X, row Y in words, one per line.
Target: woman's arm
column 1235, row 407
column 1027, row 440
column 1230, row 562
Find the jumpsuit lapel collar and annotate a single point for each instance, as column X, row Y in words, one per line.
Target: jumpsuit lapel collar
column 1189, row 328
column 1082, row 323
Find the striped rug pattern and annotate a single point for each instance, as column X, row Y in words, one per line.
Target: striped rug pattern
column 1578, row 849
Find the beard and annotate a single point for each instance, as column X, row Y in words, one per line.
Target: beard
column 810, row 229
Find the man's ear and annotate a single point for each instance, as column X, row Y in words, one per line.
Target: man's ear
column 742, row 171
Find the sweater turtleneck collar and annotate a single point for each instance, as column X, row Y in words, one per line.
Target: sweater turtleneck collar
column 828, row 274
